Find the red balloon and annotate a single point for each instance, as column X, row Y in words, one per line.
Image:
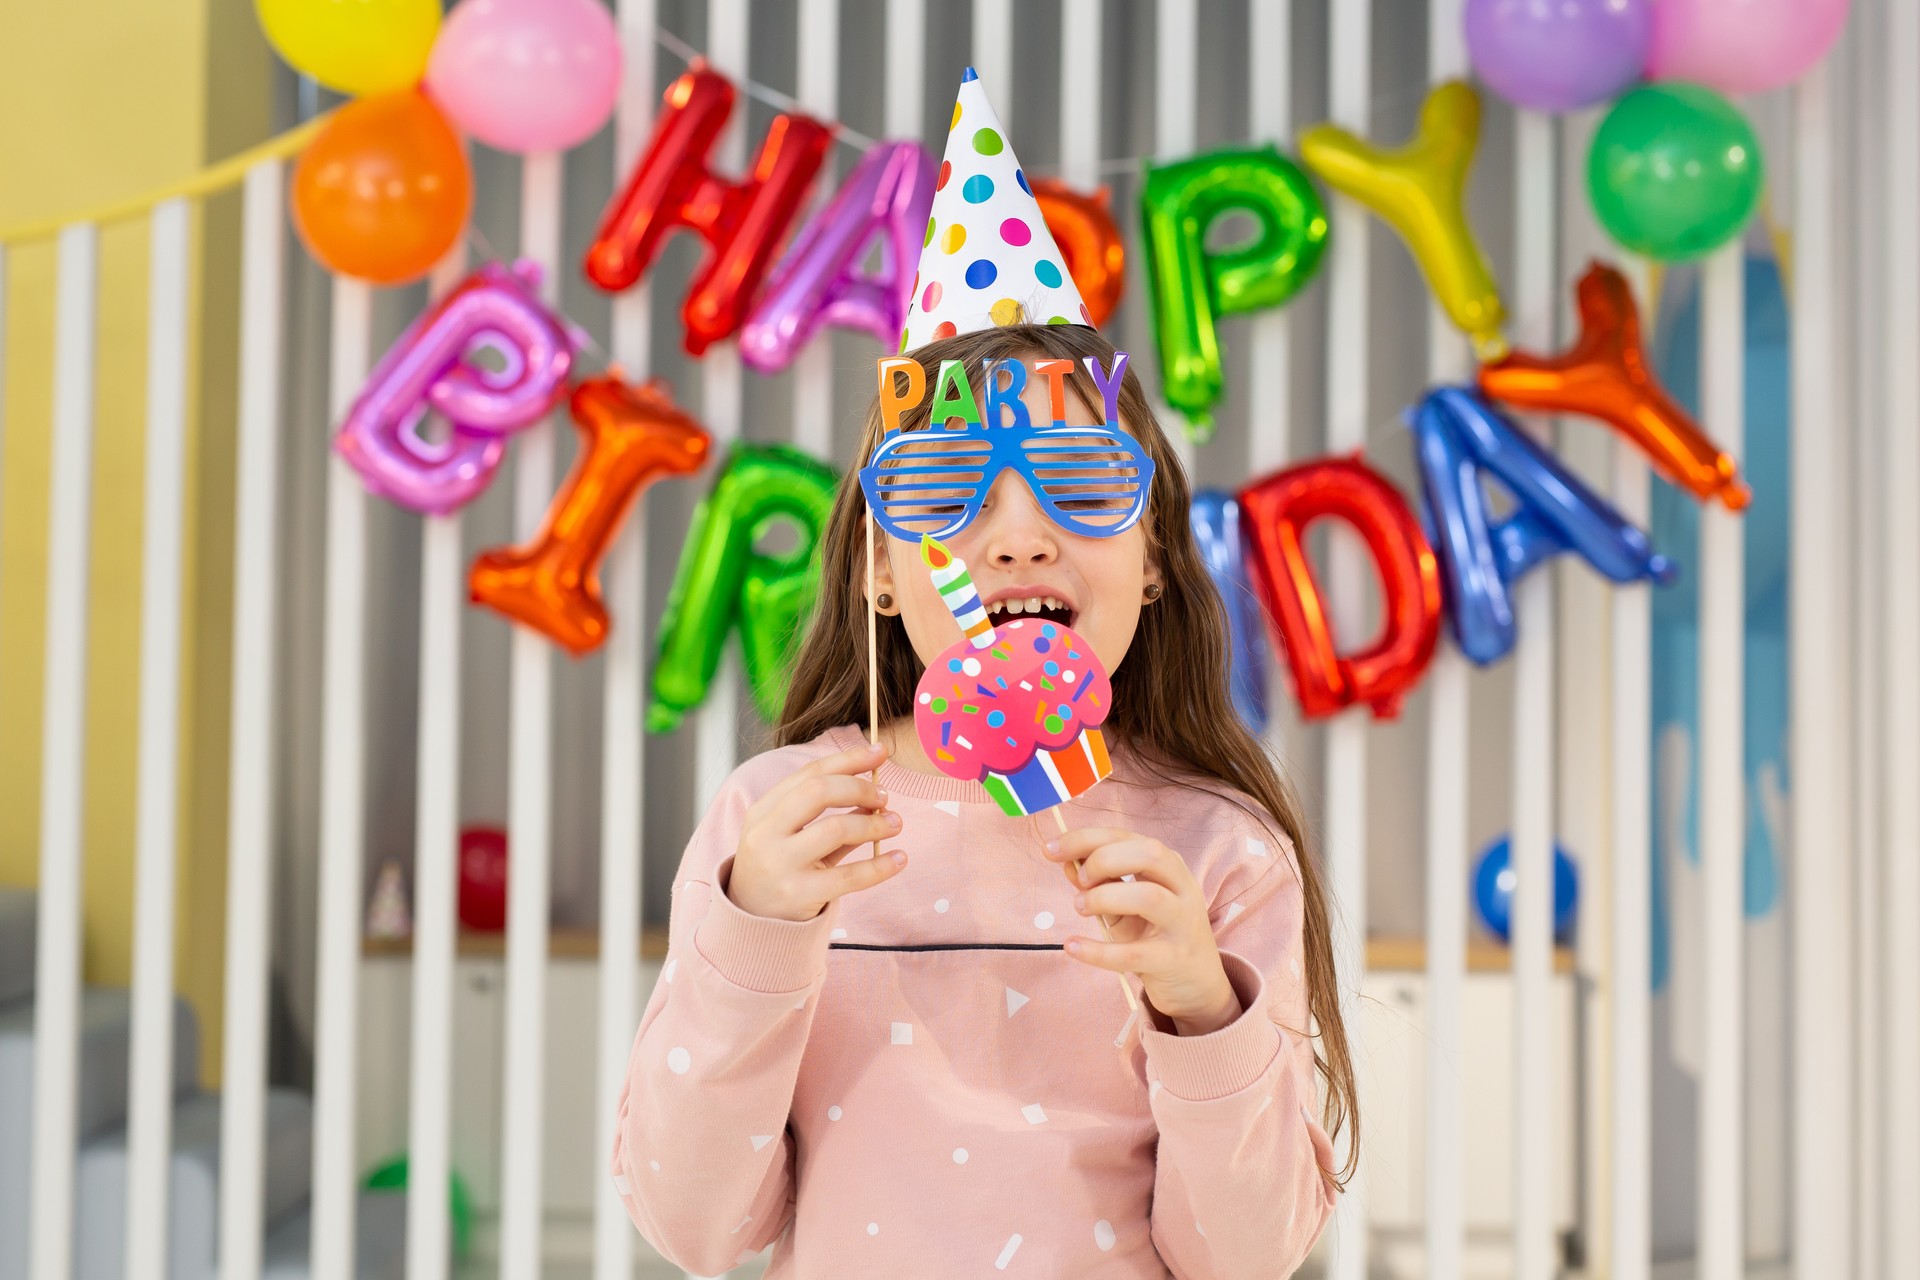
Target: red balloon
column 671, row 188
column 483, row 879
column 1605, row 375
column 1089, row 240
column 1277, row 511
column 629, row 437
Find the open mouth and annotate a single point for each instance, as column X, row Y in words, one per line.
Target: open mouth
column 1047, row 608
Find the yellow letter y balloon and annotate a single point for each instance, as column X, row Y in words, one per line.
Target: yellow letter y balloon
column 1420, row 190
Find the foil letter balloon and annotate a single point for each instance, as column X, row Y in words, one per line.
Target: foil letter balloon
column 1419, row 190
column 1215, row 518
column 1089, row 240
column 1278, row 510
column 726, row 582
column 1016, row 708
column 1194, row 287
column 1605, row 375
column 671, row 188
column 820, row 282
column 1459, row 439
column 433, row 367
column 628, row 438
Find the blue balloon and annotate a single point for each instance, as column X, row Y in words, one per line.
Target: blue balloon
column 1215, row 518
column 1459, row 438
column 1493, row 890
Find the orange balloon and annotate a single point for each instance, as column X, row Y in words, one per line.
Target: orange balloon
column 383, row 191
column 1605, row 375
column 628, row 438
column 1089, row 239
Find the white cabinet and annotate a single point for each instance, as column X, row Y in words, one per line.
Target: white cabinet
column 1393, row 1039
column 575, row 1154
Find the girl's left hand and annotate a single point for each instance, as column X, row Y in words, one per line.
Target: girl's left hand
column 1160, row 926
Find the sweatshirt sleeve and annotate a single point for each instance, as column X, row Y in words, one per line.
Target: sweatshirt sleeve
column 702, row 1157
column 1241, row 1186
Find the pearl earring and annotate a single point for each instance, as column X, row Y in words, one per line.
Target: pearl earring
column 1153, row 591
column 886, row 601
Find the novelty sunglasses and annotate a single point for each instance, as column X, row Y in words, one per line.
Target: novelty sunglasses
column 1092, row 481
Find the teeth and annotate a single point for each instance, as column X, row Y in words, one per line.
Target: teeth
column 1033, row 605
column 1051, row 603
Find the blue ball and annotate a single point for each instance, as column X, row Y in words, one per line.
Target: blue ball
column 1493, row 890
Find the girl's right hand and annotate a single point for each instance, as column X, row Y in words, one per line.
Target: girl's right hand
column 786, row 866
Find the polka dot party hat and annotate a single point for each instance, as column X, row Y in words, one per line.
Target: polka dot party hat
column 988, row 257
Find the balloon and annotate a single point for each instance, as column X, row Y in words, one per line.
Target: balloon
column 629, row 437
column 1493, row 882
column 1605, row 375
column 820, row 282
column 432, row 367
column 392, row 1176
column 1089, row 240
column 1194, row 286
column 741, row 222
column 483, row 879
column 1419, row 191
column 527, row 75
column 382, row 191
column 1215, row 518
column 724, row 581
column 1560, row 56
column 1674, row 171
column 1278, row 509
column 1742, row 46
column 367, row 47
column 1459, row 439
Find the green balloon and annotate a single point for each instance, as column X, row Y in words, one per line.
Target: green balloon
column 725, row 582
column 1193, row 287
column 392, row 1176
column 1675, row 171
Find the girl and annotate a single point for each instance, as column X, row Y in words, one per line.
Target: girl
column 888, row 1066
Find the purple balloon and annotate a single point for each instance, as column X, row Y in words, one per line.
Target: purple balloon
column 1558, row 55
column 889, row 194
column 433, row 367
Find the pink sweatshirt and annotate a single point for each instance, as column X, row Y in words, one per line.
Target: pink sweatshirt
column 919, row 1083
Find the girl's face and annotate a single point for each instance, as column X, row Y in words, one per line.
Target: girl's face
column 1022, row 563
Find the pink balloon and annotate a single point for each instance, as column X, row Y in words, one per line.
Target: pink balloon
column 1742, row 46
column 526, row 75
column 432, row 367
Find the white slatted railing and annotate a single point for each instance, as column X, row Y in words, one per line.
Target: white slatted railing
column 1849, row 1186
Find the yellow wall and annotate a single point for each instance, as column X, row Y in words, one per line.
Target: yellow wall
column 98, row 102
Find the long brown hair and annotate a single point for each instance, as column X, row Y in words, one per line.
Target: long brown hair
column 1171, row 707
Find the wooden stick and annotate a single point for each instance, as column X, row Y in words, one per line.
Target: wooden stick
column 1133, row 1001
column 873, row 663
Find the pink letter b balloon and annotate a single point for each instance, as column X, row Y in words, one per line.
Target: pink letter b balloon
column 1742, row 46
column 527, row 75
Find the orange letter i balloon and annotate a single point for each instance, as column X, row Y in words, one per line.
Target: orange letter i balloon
column 629, row 437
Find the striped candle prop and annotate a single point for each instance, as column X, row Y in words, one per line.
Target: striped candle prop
column 951, row 580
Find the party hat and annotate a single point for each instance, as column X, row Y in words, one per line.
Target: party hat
column 988, row 258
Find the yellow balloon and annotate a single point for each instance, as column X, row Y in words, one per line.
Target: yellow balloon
column 356, row 46
column 1420, row 190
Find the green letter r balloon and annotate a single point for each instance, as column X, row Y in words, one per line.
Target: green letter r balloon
column 724, row 580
